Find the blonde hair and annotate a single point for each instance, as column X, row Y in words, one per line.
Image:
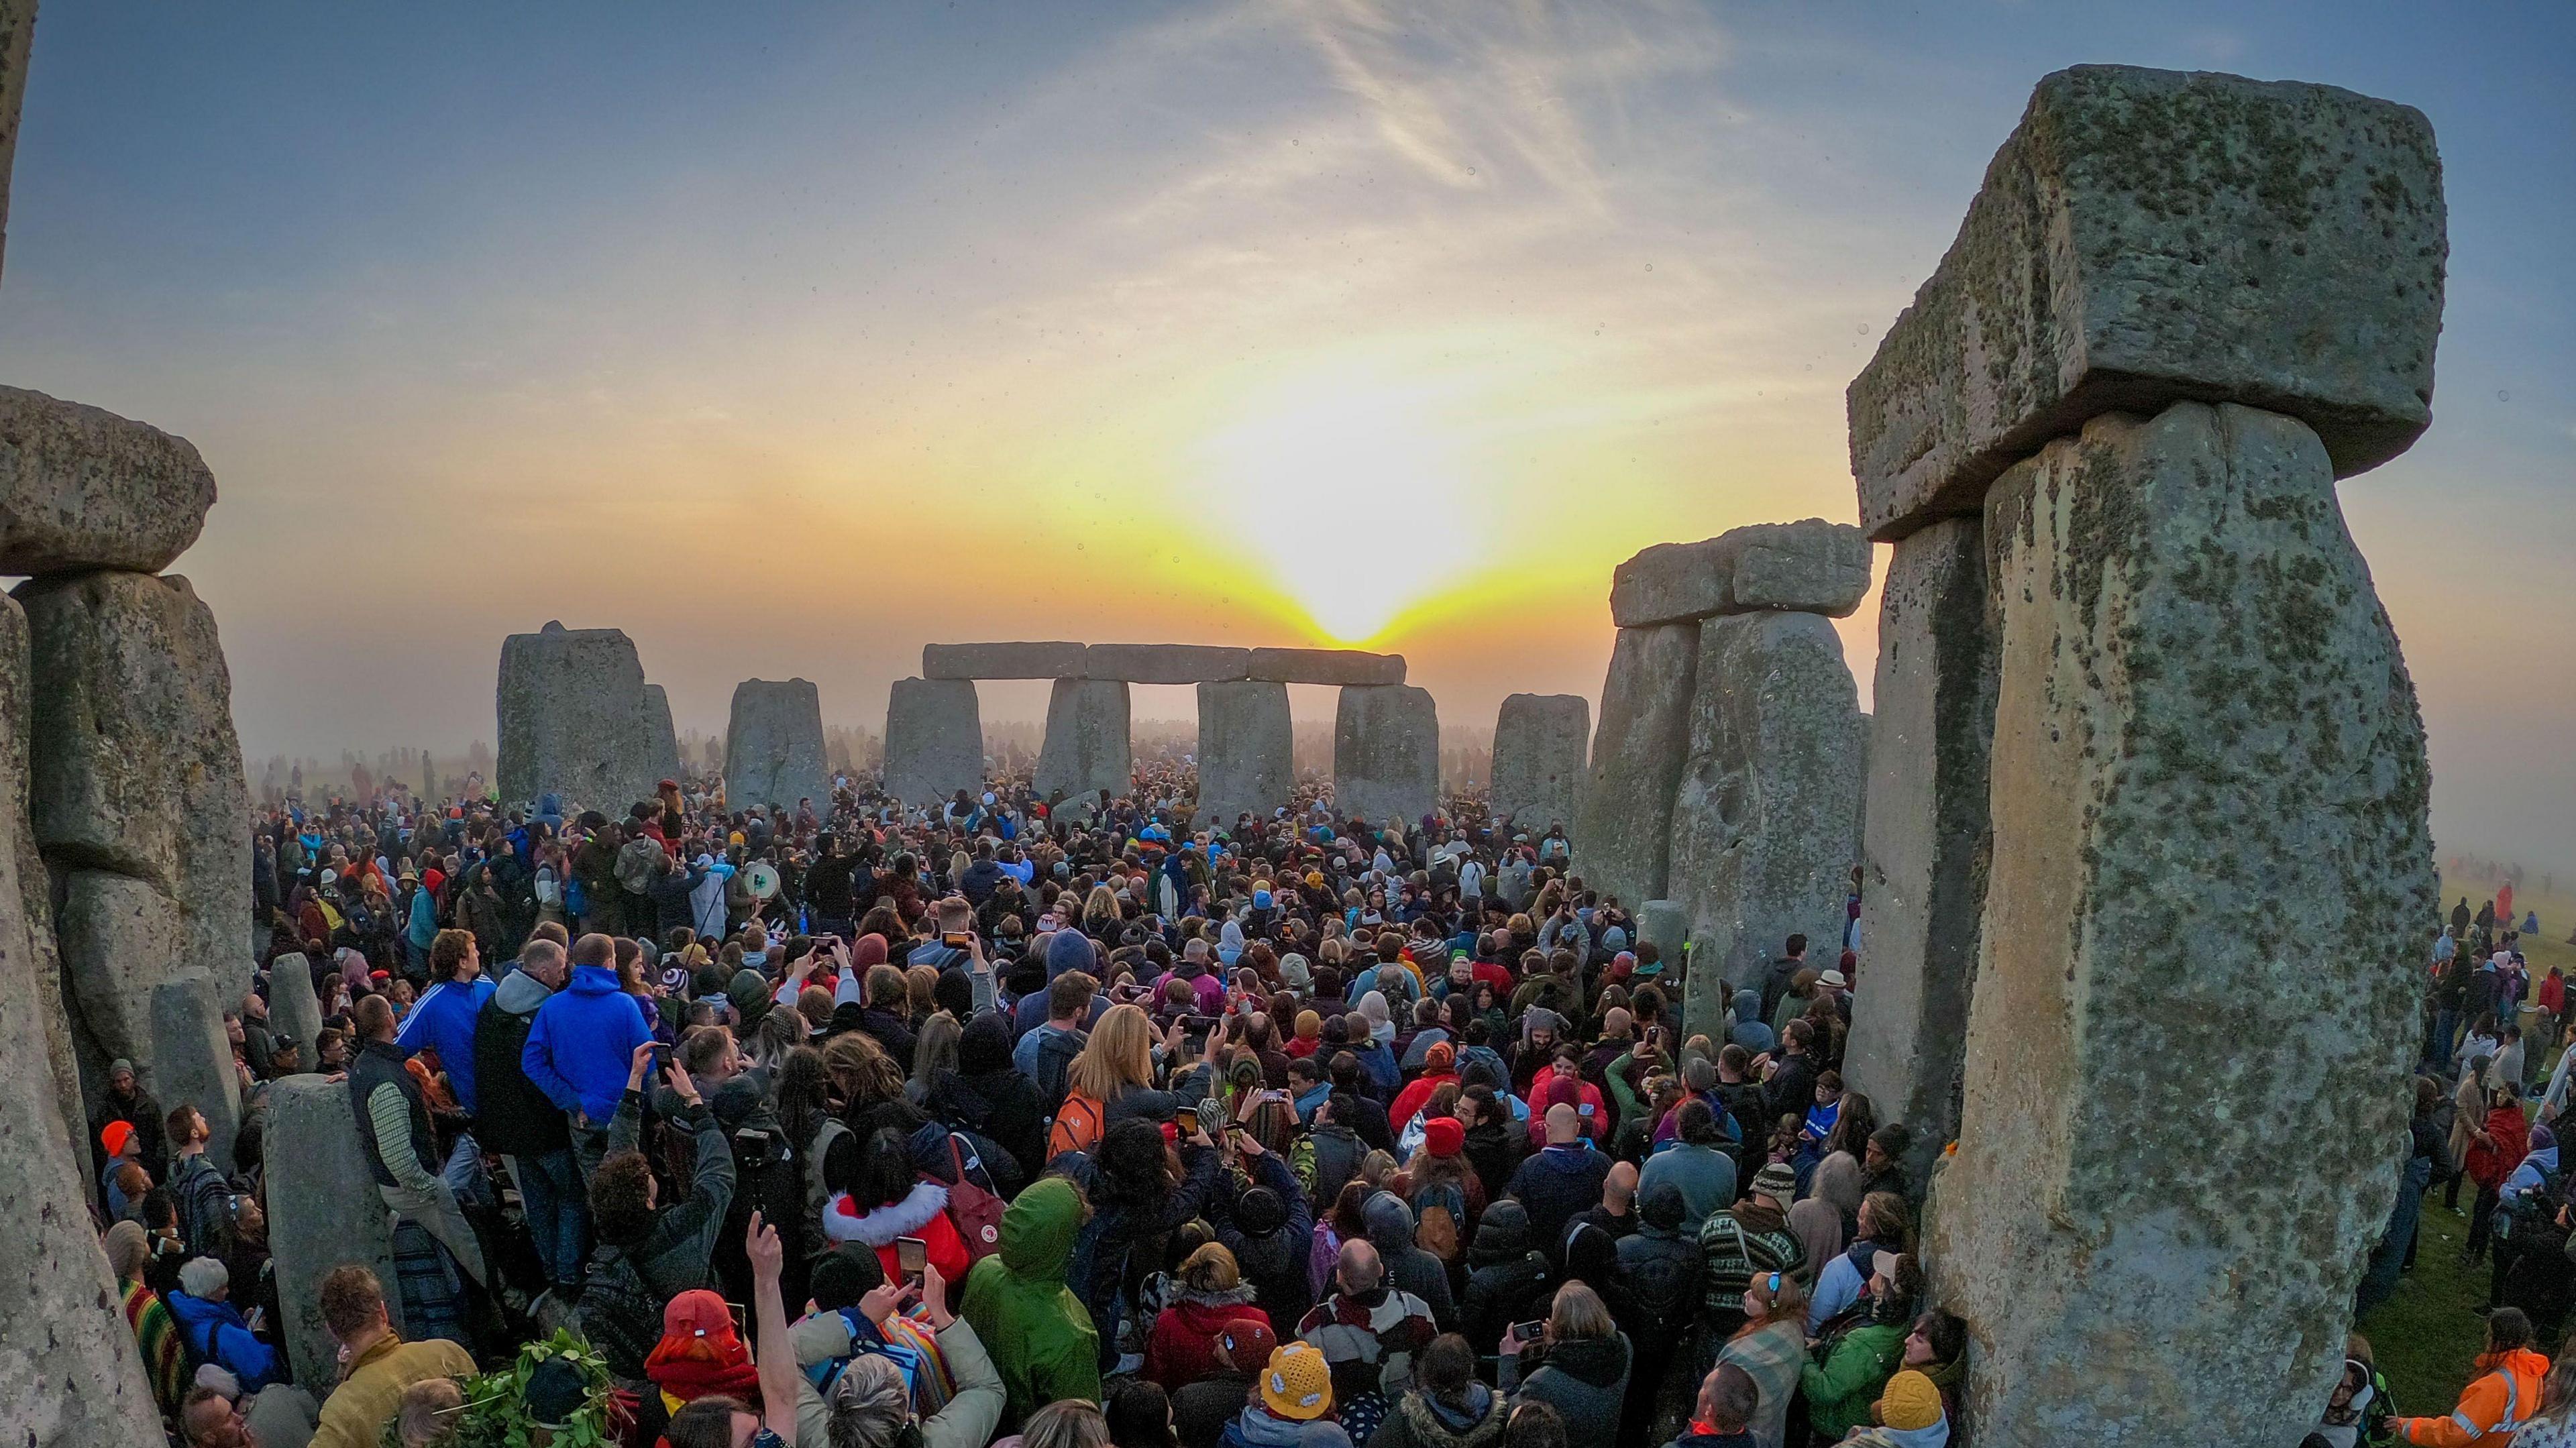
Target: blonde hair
column 935, row 1049
column 1118, row 1057
column 1579, row 1312
column 1211, row 1268
column 1786, row 1302
column 861, row 1070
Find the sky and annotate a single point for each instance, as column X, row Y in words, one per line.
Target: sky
column 789, row 338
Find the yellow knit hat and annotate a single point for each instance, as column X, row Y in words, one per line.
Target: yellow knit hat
column 1910, row 1402
column 1297, row 1385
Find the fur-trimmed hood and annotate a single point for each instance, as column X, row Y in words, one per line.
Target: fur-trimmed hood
column 844, row 1222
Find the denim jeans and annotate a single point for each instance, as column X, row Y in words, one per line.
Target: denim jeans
column 550, row 1188
column 2446, row 1030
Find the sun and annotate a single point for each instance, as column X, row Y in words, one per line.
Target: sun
column 1352, row 490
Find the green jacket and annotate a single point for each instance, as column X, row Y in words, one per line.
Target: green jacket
column 1038, row 1332
column 1856, row 1369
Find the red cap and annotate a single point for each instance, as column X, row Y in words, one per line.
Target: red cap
column 1443, row 1136
column 1249, row 1340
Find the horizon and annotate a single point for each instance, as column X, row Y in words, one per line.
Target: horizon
column 1263, row 323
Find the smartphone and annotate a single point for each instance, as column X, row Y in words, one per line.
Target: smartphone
column 912, row 1254
column 957, row 939
column 1187, row 1118
column 1198, row 1025
column 1530, row 1331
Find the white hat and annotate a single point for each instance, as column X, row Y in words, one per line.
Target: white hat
column 1834, row 978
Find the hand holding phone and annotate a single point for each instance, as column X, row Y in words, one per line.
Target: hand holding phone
column 912, row 1254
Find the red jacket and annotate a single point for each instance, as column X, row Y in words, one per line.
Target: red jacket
column 2488, row 1166
column 1182, row 1349
column 1585, row 1098
column 1415, row 1093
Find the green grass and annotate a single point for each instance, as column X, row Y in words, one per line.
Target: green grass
column 2427, row 1335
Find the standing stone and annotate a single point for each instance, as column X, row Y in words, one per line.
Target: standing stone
column 2146, row 236
column 659, row 735
column 121, row 939
column 1386, row 754
column 1665, row 925
column 294, row 1009
column 576, row 720
column 1924, row 856
column 323, row 1212
column 192, row 1060
column 1086, row 750
column 1762, row 824
column 2182, row 1130
column 1623, row 826
column 34, row 881
column 136, row 767
column 934, row 740
column 17, row 31
column 1539, row 743
column 1245, row 751
column 774, row 746
column 70, row 1376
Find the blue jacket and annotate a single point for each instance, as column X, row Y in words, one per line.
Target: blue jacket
column 443, row 1021
column 215, row 1333
column 584, row 1035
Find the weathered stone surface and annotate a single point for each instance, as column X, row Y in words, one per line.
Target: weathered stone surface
column 192, row 1060
column 1245, row 750
column 135, row 766
column 70, row 1376
column 1166, row 663
column 774, row 746
column 1539, row 744
column 1326, row 666
column 664, row 739
column 2146, row 236
column 1665, row 925
column 323, row 1212
column 1811, row 566
column 1762, row 827
column 34, row 882
column 1056, row 660
column 17, row 29
column 1623, row 827
column 1086, row 749
column 576, row 720
column 81, row 487
column 120, row 939
column 1924, row 880
column 294, row 1010
column 934, row 740
column 2180, row 1138
column 1386, row 754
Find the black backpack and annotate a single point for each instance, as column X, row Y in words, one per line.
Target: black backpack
column 1056, row 1051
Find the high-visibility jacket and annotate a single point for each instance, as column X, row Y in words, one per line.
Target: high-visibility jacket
column 2502, row 1398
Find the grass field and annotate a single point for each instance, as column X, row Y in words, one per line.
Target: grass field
column 2426, row 1336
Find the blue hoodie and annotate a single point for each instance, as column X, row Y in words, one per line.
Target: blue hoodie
column 443, row 1021
column 582, row 1041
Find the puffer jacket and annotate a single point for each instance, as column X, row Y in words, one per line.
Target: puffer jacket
column 1420, row 1422
column 1586, row 1380
column 1390, row 1230
column 1182, row 1347
column 1506, row 1275
column 1660, row 1266
column 1039, row 1334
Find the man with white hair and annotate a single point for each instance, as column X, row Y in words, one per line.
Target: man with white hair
column 215, row 1331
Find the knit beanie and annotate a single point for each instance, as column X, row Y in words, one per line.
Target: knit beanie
column 1910, row 1402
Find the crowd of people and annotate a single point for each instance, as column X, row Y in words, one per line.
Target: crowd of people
column 1069, row 1123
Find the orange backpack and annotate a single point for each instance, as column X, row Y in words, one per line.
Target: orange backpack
column 1077, row 1125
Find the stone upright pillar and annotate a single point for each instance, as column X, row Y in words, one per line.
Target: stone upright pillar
column 1763, row 822
column 2182, row 305
column 1539, row 759
column 1246, row 751
column 1924, row 856
column 934, row 740
column 1622, row 834
column 323, row 1212
column 295, row 1009
column 577, row 719
column 1386, row 754
column 660, row 738
column 1086, row 749
column 192, row 1060
column 774, row 746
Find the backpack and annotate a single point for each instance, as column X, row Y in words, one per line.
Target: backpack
column 974, row 1208
column 1440, row 1219
column 1078, row 1125
column 833, row 1129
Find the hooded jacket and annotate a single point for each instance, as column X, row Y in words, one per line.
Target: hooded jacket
column 516, row 1119
column 581, row 1041
column 1270, row 1239
column 1557, row 1183
column 1586, row 1381
column 1182, row 1347
column 2504, row 1395
column 1038, row 1332
column 1390, row 1230
column 1421, row 1421
column 216, row 1333
column 1659, row 1263
column 1506, row 1275
column 1258, row 1427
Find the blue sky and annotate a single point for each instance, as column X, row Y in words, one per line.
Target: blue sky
column 788, row 338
